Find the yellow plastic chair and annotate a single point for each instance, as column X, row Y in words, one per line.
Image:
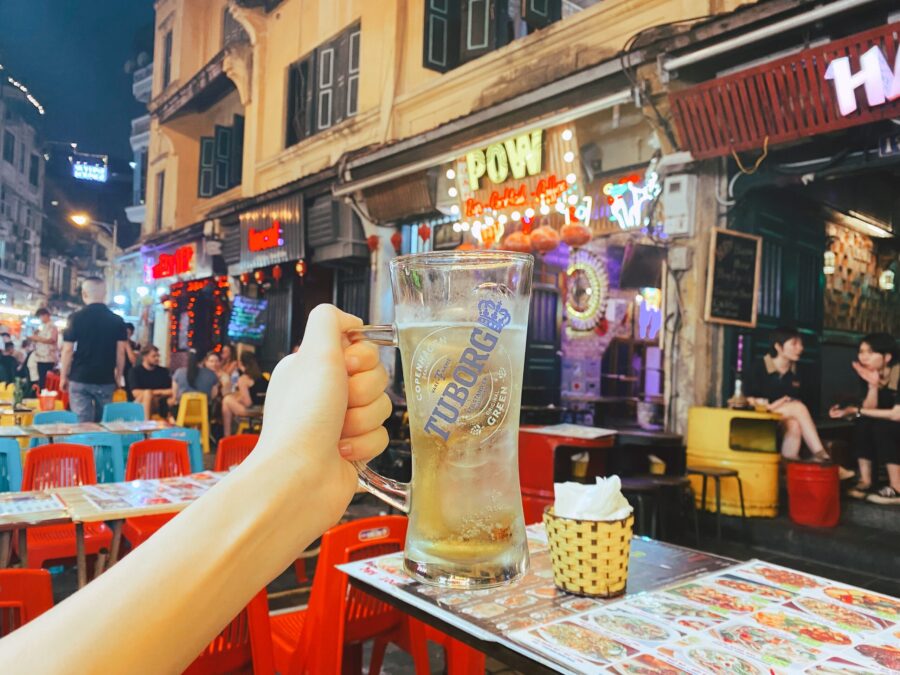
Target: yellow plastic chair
column 193, row 411
column 7, row 393
column 119, row 396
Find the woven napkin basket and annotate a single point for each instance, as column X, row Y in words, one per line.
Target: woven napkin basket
column 590, row 557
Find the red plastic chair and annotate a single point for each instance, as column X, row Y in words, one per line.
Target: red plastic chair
column 245, row 642
column 232, row 450
column 24, row 595
column 60, row 465
column 153, row 458
column 338, row 617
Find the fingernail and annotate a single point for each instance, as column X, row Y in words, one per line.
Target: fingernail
column 346, row 449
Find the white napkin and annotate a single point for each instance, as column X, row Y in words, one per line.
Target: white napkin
column 603, row 501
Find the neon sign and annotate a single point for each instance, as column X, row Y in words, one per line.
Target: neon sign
column 628, row 197
column 548, row 191
column 520, row 156
column 881, row 84
column 98, row 173
column 172, row 264
column 261, row 240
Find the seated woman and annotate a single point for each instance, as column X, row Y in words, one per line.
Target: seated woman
column 774, row 382
column 213, row 361
column 877, row 433
column 250, row 391
column 194, row 378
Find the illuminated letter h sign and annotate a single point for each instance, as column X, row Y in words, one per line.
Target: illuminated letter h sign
column 875, row 74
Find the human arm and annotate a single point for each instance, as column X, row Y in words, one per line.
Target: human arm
column 243, row 391
column 65, row 364
column 229, row 544
column 892, row 414
column 120, row 362
column 130, row 353
column 872, row 380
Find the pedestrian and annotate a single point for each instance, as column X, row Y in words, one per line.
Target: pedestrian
column 132, row 349
column 876, row 436
column 8, row 364
column 46, row 345
column 93, row 354
column 159, row 606
column 28, row 370
column 774, row 383
column 151, row 383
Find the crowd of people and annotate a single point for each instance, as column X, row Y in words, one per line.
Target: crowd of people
column 96, row 355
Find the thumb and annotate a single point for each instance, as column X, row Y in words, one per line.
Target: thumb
column 325, row 329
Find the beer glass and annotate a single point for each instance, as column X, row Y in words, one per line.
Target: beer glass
column 460, row 322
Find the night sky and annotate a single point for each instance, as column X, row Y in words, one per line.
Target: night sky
column 71, row 55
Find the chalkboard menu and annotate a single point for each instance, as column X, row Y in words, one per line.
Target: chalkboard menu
column 733, row 278
column 248, row 320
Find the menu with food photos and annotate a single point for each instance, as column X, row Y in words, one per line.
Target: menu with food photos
column 16, row 503
column 683, row 612
column 132, row 494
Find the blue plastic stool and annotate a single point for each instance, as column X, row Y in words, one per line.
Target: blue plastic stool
column 51, row 417
column 189, row 436
column 108, row 455
column 10, row 465
column 123, row 412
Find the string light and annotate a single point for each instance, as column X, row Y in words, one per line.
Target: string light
column 569, row 156
column 452, row 191
column 451, row 174
column 515, row 215
column 529, row 213
column 567, row 135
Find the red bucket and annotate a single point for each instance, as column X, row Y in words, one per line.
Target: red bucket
column 814, row 494
column 47, row 400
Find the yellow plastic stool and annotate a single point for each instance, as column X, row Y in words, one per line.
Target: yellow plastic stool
column 119, row 396
column 193, row 411
column 7, row 392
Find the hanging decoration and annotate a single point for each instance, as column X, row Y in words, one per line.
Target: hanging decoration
column 424, row 232
column 397, row 241
column 466, row 246
column 587, row 290
column 575, row 234
column 372, row 242
column 300, row 268
column 260, row 276
column 245, row 278
column 519, row 242
column 277, row 273
column 489, row 232
column 544, row 239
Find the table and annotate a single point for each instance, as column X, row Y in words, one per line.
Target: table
column 19, row 510
column 52, row 431
column 101, row 502
column 684, row 612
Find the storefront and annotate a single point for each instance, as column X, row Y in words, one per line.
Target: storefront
column 286, row 256
column 184, row 294
column 813, row 174
column 578, row 194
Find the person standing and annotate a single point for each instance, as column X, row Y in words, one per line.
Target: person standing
column 8, row 364
column 93, row 354
column 46, row 345
column 151, row 383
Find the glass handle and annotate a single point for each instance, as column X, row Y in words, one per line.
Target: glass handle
column 388, row 490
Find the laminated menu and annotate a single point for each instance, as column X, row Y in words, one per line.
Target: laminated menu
column 164, row 491
column 684, row 612
column 15, row 503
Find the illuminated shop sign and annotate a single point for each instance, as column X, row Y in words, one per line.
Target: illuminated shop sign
column 628, row 196
column 264, row 239
column 880, row 83
column 98, row 173
column 516, row 157
column 173, row 264
column 548, row 191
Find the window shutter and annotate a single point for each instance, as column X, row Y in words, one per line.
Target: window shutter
column 223, row 158
column 207, row 167
column 441, row 35
column 478, row 29
column 341, row 47
column 237, row 151
column 353, row 71
column 324, row 85
column 541, row 13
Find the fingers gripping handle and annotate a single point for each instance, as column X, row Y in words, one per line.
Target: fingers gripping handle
column 389, row 491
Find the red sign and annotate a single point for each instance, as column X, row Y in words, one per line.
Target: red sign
column 260, row 240
column 548, row 190
column 171, row 264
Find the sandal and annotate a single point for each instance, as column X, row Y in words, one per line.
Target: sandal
column 859, row 491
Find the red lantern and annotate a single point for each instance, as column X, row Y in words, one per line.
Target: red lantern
column 466, row 246
column 300, row 268
column 245, row 278
column 260, row 276
column 575, row 234
column 424, row 232
column 372, row 242
column 277, row 273
column 519, row 242
column 544, row 239
column 397, row 241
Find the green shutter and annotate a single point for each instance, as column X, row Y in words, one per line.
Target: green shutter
column 541, row 13
column 237, row 152
column 207, row 167
column 223, row 158
column 441, row 35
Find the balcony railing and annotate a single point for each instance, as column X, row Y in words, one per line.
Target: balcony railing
column 140, row 125
column 142, row 83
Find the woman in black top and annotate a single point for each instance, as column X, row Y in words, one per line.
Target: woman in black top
column 249, row 391
column 877, row 433
column 774, row 382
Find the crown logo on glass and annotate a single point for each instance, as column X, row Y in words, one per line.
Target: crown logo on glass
column 493, row 316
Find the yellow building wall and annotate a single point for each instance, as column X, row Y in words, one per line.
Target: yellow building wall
column 398, row 98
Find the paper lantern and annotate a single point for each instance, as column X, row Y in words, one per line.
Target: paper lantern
column 466, row 246
column 245, row 278
column 372, row 242
column 424, row 232
column 544, row 239
column 300, row 268
column 519, row 242
column 397, row 241
column 277, row 273
column 575, row 234
column 260, row 276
